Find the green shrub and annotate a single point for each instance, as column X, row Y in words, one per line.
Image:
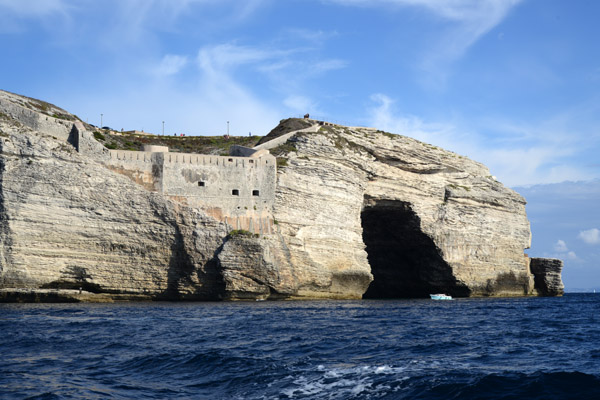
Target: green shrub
column 111, row 146
column 242, row 233
column 66, row 117
column 99, row 136
column 282, row 162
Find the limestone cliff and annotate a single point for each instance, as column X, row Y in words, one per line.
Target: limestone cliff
column 355, row 211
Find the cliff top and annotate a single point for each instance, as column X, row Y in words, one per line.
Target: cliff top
column 215, row 145
column 35, row 105
column 285, row 126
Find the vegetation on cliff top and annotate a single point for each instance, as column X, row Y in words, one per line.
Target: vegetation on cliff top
column 43, row 107
column 218, row 145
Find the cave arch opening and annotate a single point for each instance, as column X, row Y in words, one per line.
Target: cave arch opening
column 405, row 262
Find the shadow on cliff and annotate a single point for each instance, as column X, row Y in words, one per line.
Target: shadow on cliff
column 405, row 262
column 189, row 280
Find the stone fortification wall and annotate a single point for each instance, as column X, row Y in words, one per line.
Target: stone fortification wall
column 22, row 111
column 141, row 167
column 156, row 149
column 237, row 190
column 85, row 143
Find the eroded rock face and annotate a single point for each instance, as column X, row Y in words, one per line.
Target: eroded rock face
column 68, row 222
column 547, row 272
column 356, row 211
column 403, row 259
column 431, row 220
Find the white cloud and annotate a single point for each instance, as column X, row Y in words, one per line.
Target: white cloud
column 517, row 154
column 590, row 236
column 33, row 8
column 471, row 20
column 312, row 36
column 383, row 116
column 300, row 104
column 562, row 252
column 479, row 15
column 328, row 65
column 170, row 65
column 560, row 246
column 12, row 12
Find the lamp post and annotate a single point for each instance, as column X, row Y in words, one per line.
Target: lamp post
column 101, row 115
column 163, row 128
column 227, row 128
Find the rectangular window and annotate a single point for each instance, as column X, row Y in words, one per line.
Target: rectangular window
column 255, row 193
column 251, row 161
column 200, row 183
column 230, row 160
column 235, row 192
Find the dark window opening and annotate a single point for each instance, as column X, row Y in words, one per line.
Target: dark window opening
column 235, row 192
column 255, row 193
column 200, row 183
column 230, row 160
column 251, row 161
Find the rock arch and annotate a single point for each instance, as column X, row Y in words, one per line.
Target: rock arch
column 405, row 262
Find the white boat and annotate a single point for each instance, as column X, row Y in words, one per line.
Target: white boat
column 440, row 296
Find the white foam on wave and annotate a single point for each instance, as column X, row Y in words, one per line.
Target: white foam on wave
column 344, row 382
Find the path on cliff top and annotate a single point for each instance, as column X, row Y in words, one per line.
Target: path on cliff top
column 283, row 138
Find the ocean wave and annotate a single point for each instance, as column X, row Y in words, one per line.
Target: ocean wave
column 476, row 349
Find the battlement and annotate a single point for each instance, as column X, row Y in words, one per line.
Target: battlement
column 237, row 190
column 192, row 159
column 127, row 155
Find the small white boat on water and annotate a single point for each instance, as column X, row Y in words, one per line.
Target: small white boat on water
column 440, row 296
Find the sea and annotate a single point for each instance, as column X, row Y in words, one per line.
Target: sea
column 492, row 348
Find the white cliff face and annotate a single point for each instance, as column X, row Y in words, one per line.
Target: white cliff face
column 347, row 187
column 65, row 217
column 355, row 210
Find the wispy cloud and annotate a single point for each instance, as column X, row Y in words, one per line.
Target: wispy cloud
column 314, row 37
column 14, row 12
column 229, row 56
column 563, row 252
column 123, row 22
column 33, row 8
column 560, row 246
column 468, row 20
column 171, row 64
column 328, row 65
column 301, row 104
column 519, row 154
column 383, row 115
column 590, row 236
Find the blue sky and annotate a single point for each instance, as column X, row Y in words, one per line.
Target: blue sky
column 514, row 84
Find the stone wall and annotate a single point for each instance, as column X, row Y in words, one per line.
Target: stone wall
column 85, row 143
column 141, row 167
column 25, row 112
column 237, row 190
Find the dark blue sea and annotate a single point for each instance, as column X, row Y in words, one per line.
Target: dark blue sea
column 532, row 348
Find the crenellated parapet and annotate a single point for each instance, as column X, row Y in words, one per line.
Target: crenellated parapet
column 237, row 190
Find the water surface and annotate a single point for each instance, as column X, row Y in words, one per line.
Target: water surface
column 534, row 348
